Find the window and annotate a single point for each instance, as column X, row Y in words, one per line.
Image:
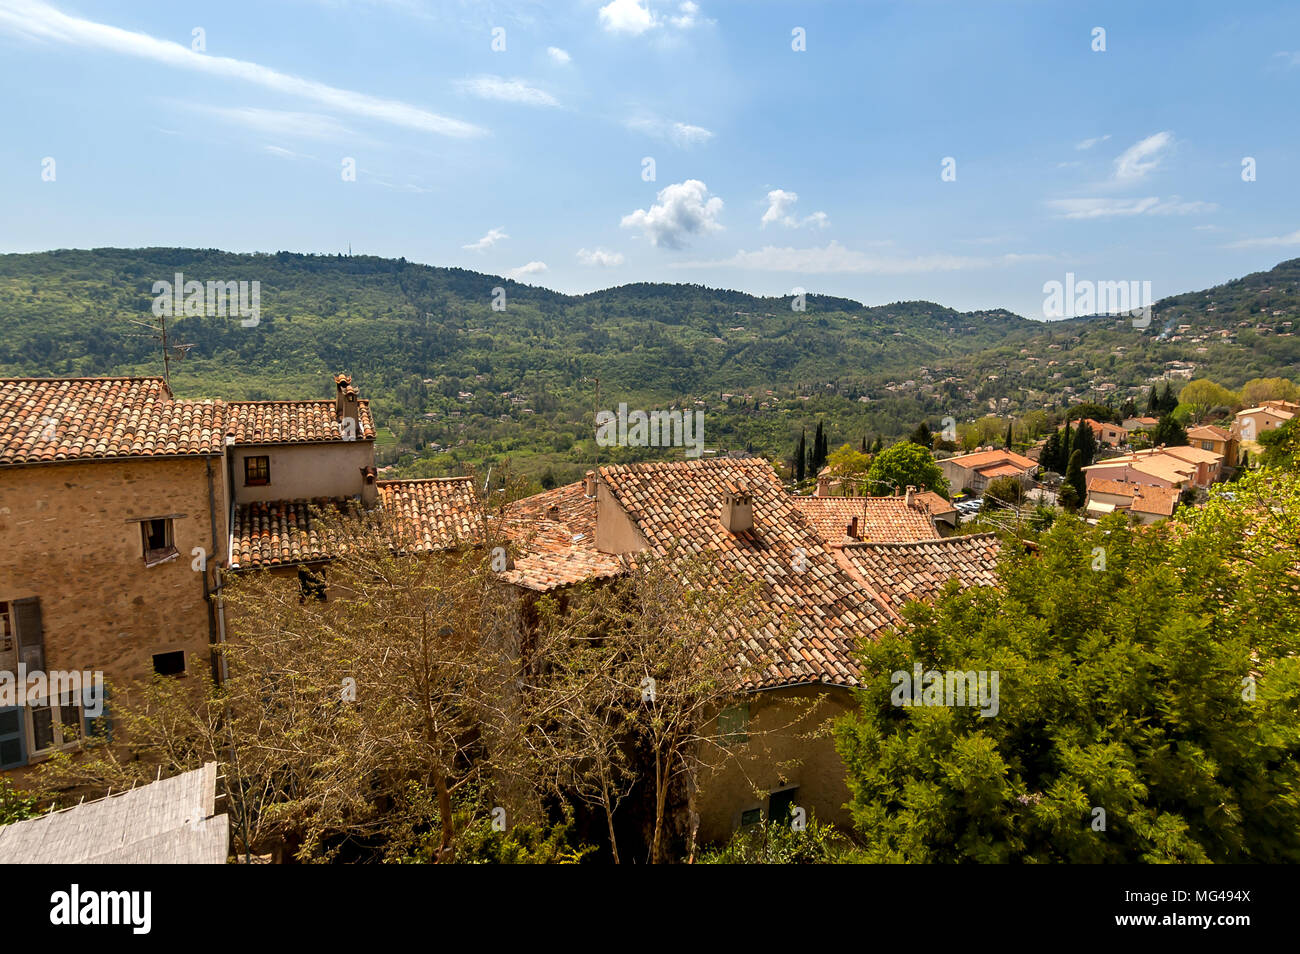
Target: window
column 311, row 584
column 751, row 817
column 156, row 535
column 51, row 725
column 8, row 644
column 22, row 637
column 257, row 471
column 169, row 664
column 733, row 725
column 780, row 804
column 1206, row 445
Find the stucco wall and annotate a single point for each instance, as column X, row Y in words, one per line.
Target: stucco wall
column 304, row 471
column 778, row 761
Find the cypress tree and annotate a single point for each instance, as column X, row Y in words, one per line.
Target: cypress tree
column 1009, row 434
column 800, row 451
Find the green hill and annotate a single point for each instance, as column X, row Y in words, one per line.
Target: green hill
column 442, row 366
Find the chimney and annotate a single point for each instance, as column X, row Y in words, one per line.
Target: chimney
column 851, row 530
column 737, row 509
column 341, row 383
column 910, row 490
column 823, row 485
column 553, row 512
column 589, row 483
column 369, row 492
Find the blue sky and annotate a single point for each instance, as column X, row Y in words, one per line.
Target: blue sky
column 774, row 168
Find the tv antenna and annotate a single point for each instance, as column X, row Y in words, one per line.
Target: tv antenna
column 158, row 329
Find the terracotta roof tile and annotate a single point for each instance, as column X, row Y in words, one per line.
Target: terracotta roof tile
column 281, row 532
column 48, row 420
column 900, row 572
column 555, row 533
column 822, row 611
column 292, row 422
column 433, row 514
column 879, row 518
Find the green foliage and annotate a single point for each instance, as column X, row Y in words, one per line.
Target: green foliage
column 1160, row 684
column 1281, row 446
column 779, row 844
column 1203, row 398
column 903, row 465
column 1074, row 480
column 1004, row 490
column 1169, row 433
column 15, row 804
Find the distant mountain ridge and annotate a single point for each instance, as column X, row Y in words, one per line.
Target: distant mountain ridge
column 419, row 338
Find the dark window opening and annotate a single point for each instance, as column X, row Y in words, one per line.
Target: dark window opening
column 257, row 471
column 751, row 817
column 780, row 805
column 311, row 584
column 169, row 664
column 158, row 541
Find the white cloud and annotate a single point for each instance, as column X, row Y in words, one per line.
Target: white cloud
column 39, row 21
column 1089, row 143
column 834, row 257
column 1111, row 208
column 1142, row 157
column 1292, row 238
column 524, row 271
column 626, row 16
column 679, row 134
column 284, row 153
column 599, row 257
column 635, row 17
column 682, row 209
column 780, row 210
column 558, row 55
column 687, row 16
column 1289, row 59
column 507, row 91
column 493, row 236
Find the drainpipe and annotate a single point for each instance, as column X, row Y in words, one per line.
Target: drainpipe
column 208, row 591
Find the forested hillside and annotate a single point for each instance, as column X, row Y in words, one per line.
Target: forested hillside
column 444, row 368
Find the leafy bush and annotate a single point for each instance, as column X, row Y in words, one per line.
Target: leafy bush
column 779, row 844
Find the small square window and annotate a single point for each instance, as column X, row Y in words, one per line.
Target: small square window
column 257, row 471
column 157, row 539
column 751, row 817
column 733, row 725
column 169, row 664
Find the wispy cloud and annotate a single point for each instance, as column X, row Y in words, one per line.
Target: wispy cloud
column 682, row 210
column 1289, row 59
column 279, row 122
column 836, row 258
column 1292, row 238
column 506, row 91
column 493, row 236
column 1095, row 208
column 1142, row 158
column 599, row 257
column 283, row 153
column 1089, row 143
column 677, row 133
column 40, row 21
column 558, row 55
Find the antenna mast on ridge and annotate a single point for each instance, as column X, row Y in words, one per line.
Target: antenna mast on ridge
column 159, row 334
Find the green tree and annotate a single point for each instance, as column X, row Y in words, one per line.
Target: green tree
column 922, row 436
column 906, row 464
column 1074, row 478
column 1010, row 433
column 1204, row 398
column 1151, row 674
column 1169, row 433
column 16, row 804
column 1258, row 390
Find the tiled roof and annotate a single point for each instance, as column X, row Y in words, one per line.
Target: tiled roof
column 1120, row 488
column 821, row 612
column 900, row 572
column 879, row 518
column 427, row 515
column 991, row 457
column 432, row 514
column 1160, row 501
column 48, row 420
column 1209, row 432
column 934, row 503
column 1001, row 470
column 555, row 536
column 292, row 422
column 281, row 532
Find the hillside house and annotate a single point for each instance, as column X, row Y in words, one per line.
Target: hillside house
column 977, row 470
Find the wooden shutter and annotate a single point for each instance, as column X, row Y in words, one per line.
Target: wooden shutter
column 13, row 738
column 31, row 635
